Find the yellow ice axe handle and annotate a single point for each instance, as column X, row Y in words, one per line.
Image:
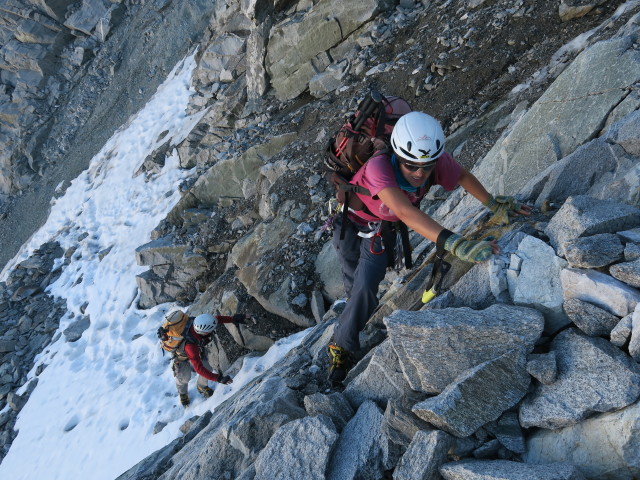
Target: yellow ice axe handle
column 428, row 295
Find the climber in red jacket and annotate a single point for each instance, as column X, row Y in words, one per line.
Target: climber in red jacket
column 194, row 347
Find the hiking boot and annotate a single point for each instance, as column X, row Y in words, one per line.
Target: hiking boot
column 206, row 392
column 184, row 399
column 340, row 363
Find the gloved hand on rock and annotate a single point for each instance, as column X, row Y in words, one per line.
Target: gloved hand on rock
column 474, row 251
column 502, row 206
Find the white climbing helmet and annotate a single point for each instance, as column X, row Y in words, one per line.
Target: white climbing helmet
column 204, row 324
column 418, row 138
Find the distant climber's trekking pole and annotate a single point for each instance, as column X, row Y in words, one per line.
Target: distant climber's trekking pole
column 241, row 318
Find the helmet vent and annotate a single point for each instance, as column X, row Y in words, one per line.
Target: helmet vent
column 407, row 153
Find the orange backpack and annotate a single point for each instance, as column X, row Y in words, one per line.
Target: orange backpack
column 173, row 330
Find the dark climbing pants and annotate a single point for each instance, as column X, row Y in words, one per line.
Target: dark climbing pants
column 362, row 273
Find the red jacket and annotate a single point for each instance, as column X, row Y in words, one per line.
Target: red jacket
column 193, row 350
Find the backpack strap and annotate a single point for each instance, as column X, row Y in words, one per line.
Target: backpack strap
column 406, row 246
column 187, row 337
column 350, row 187
column 345, row 214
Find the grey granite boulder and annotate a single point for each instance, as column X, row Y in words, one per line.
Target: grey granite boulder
column 593, row 376
column 381, row 381
column 330, row 272
column 252, row 254
column 225, row 178
column 299, row 449
column 297, row 46
column 621, row 333
column 503, row 470
column 473, row 290
column 435, row 346
column 424, row 457
column 93, row 17
column 30, row 31
column 223, row 60
column 245, row 425
column 400, row 424
column 571, row 9
column 164, row 252
column 576, row 173
column 631, row 236
column 543, row 367
column 594, row 251
column 533, row 278
column 74, row 331
column 632, row 252
column 508, row 432
column 329, row 80
column 478, row 396
column 361, row 447
column 589, row 318
column 634, row 343
column 604, row 446
column 334, row 405
column 627, row 272
column 599, row 289
column 625, row 133
column 548, row 132
column 582, row 216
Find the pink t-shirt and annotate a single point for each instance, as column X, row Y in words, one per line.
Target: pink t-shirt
column 378, row 174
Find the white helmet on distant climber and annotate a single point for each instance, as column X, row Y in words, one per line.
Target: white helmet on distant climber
column 418, row 138
column 204, row 324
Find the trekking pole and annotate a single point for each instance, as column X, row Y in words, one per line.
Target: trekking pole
column 440, row 266
column 367, row 107
column 244, row 343
column 372, row 102
column 432, row 289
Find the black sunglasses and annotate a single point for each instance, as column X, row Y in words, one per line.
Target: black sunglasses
column 415, row 168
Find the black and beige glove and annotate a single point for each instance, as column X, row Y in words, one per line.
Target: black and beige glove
column 502, row 206
column 474, row 251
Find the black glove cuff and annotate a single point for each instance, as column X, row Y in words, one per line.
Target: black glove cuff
column 442, row 238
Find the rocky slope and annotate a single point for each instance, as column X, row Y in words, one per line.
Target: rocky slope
column 248, row 231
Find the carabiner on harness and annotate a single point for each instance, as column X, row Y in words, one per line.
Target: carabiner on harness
column 375, row 230
column 372, row 247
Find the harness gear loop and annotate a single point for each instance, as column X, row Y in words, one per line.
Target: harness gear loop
column 374, row 228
